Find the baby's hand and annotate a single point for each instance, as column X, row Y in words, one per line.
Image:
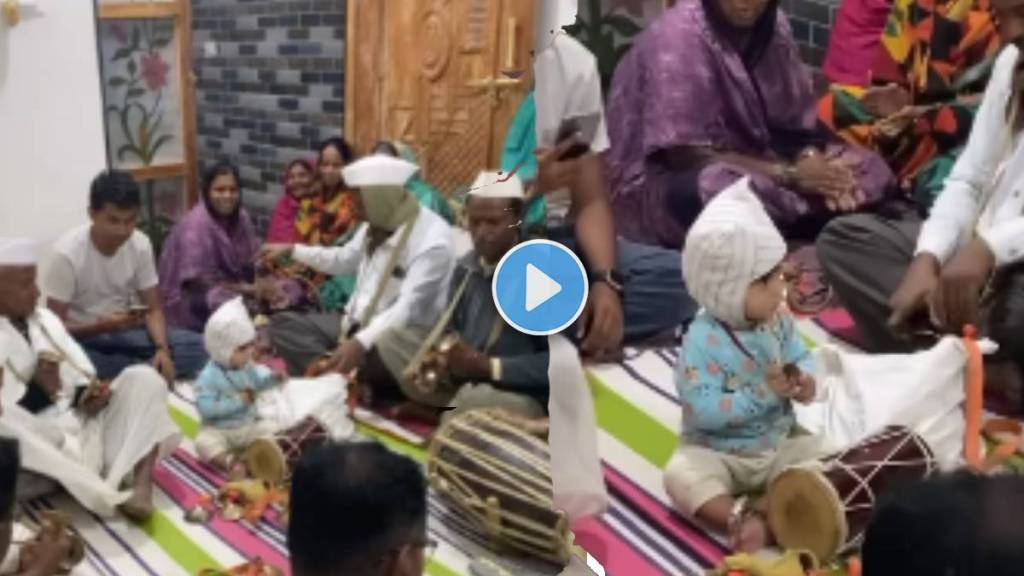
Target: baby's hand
column 805, row 389
column 248, row 396
column 776, row 379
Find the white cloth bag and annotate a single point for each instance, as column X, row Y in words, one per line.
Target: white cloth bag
column 576, row 474
column 323, row 398
column 859, row 394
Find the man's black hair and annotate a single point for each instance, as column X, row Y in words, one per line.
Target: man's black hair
column 962, row 524
column 10, row 463
column 339, row 144
column 114, row 187
column 351, row 505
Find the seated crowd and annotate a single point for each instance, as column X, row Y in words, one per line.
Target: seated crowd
column 717, row 161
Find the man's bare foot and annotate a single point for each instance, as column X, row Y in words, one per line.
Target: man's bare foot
column 137, row 508
column 752, row 534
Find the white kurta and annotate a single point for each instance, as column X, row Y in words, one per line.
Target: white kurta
column 90, row 457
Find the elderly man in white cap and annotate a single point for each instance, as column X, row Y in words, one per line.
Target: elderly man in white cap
column 558, row 141
column 403, row 257
column 489, row 363
column 87, row 434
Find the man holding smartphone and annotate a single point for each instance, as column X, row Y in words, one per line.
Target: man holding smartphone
column 636, row 291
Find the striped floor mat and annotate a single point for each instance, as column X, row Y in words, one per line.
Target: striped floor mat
column 638, row 419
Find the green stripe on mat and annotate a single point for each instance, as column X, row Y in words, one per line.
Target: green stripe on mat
column 435, row 568
column 189, row 426
column 631, row 425
column 177, row 544
column 401, row 446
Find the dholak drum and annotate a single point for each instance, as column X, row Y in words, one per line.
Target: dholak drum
column 825, row 507
column 273, row 461
column 497, row 472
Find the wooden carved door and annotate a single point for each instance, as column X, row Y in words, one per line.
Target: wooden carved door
column 443, row 76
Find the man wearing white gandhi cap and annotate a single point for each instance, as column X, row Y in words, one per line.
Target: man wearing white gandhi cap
column 484, row 362
column 402, row 256
column 86, row 434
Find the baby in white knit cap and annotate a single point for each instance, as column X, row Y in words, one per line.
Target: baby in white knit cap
column 741, row 366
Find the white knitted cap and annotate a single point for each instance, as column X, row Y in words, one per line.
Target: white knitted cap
column 731, row 244
column 228, row 329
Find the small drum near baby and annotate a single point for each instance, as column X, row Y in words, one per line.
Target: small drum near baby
column 273, row 460
column 496, row 468
column 825, row 507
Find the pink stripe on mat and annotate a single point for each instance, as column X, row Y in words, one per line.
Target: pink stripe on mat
column 235, row 534
column 616, row 555
column 664, row 519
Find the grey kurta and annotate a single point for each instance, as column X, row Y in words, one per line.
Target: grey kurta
column 524, row 358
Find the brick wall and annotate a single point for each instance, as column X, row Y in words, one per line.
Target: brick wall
column 272, row 91
column 812, row 24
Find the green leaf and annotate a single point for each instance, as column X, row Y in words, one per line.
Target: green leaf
column 160, row 42
column 116, row 81
column 128, row 149
column 136, row 37
column 156, row 146
column 122, row 53
column 623, row 26
column 132, row 68
column 125, row 129
column 136, row 92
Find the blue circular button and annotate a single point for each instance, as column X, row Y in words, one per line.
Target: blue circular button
column 540, row 287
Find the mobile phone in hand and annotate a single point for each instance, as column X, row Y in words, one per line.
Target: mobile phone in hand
column 583, row 128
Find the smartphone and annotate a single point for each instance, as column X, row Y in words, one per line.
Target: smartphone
column 584, row 128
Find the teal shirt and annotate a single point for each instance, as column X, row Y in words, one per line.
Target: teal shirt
column 727, row 404
column 520, row 144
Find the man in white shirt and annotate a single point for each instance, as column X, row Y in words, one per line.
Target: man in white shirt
column 403, row 257
column 102, row 283
column 963, row 264
column 636, row 291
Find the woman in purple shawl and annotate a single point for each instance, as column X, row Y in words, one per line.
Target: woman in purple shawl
column 209, row 256
column 712, row 91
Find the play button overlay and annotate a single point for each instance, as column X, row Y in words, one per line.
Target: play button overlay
column 540, row 287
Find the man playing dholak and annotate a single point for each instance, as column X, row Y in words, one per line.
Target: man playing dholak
column 403, row 259
column 86, row 434
column 489, row 364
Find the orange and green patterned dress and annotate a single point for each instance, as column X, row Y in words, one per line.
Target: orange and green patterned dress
column 941, row 53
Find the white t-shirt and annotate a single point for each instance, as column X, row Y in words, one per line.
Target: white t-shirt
column 96, row 285
column 567, row 84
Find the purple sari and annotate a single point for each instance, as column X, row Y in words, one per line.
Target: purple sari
column 201, row 258
column 684, row 85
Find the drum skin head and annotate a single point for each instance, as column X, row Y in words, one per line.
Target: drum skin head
column 806, row 513
column 265, row 461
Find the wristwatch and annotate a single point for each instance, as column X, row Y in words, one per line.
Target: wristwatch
column 612, row 278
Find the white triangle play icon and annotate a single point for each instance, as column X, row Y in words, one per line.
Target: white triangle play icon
column 539, row 287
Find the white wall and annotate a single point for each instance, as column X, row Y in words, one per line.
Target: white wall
column 51, row 118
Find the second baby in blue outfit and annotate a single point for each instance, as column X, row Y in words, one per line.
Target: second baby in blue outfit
column 227, row 388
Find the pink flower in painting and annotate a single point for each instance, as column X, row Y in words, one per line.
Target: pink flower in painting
column 154, row 70
column 119, row 33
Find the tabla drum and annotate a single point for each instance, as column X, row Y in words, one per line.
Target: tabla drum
column 825, row 506
column 496, row 470
column 273, row 460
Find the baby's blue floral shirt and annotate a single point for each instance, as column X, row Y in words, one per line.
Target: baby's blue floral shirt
column 727, row 405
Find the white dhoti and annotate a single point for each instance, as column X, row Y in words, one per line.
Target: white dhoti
column 89, row 457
